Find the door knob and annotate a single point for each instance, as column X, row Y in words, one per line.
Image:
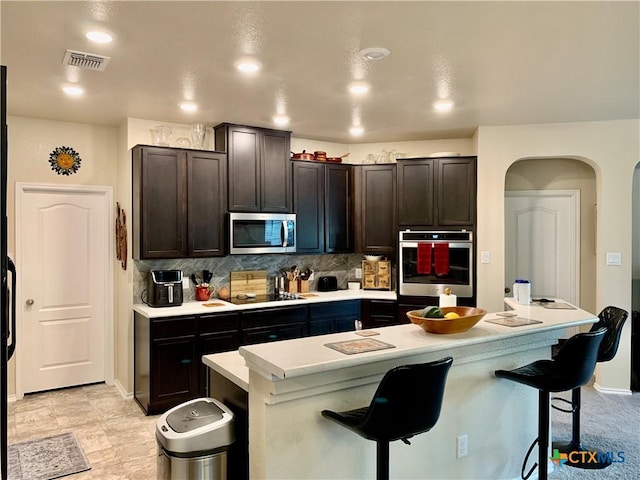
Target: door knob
column 29, row 301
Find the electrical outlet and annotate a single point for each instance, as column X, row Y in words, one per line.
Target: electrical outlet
column 485, row 257
column 312, row 276
column 358, row 273
column 462, row 446
column 185, row 283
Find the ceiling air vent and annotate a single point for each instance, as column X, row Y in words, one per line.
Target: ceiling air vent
column 90, row 61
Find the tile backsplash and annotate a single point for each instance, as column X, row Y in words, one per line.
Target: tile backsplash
column 341, row 266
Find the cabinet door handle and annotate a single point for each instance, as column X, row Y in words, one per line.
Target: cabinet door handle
column 185, row 361
column 273, row 336
column 283, row 233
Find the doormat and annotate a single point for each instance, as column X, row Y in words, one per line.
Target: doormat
column 46, row 458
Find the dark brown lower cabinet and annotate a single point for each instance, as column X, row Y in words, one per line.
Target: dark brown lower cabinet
column 165, row 371
column 380, row 313
column 333, row 317
column 168, row 368
column 216, row 333
column 273, row 324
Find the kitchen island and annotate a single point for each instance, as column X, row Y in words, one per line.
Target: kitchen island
column 290, row 382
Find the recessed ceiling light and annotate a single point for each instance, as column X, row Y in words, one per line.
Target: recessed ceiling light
column 281, row 119
column 248, row 66
column 374, row 53
column 73, row 90
column 99, row 37
column 188, row 106
column 356, row 131
column 443, row 105
column 359, row 88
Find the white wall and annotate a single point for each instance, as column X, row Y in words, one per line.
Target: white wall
column 30, row 143
column 613, row 150
column 358, row 153
column 635, row 273
column 566, row 174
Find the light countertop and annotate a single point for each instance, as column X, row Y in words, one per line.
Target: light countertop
column 230, row 365
column 303, row 356
column 199, row 308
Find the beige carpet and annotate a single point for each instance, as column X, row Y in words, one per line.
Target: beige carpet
column 609, row 423
column 46, row 458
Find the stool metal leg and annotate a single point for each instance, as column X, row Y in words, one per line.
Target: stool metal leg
column 382, row 460
column 543, row 434
column 575, row 444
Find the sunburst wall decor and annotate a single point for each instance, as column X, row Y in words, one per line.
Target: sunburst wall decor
column 64, row 160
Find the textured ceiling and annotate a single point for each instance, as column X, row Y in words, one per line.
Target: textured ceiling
column 500, row 62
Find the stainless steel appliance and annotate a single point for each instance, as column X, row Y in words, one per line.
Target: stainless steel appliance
column 254, row 233
column 431, row 261
column 164, row 288
column 193, row 439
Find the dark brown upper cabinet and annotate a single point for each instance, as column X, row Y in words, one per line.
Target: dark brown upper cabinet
column 259, row 174
column 179, row 203
column 375, row 198
column 308, row 204
column 437, row 192
column 323, row 203
column 338, row 209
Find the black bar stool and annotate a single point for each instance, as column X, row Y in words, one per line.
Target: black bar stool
column 407, row 402
column 611, row 318
column 572, row 368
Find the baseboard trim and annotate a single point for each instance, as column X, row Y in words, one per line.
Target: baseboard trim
column 122, row 391
column 612, row 391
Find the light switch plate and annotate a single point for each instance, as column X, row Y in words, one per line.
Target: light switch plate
column 614, row 258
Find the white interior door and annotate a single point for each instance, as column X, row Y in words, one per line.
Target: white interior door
column 63, row 237
column 542, row 242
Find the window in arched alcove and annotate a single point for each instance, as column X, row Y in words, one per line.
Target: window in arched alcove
column 566, row 174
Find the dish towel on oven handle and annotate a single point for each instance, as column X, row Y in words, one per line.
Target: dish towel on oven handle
column 424, row 258
column 441, row 258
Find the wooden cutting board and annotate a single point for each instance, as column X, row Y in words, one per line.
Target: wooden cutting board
column 249, row 281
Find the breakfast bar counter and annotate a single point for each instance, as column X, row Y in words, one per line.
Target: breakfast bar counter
column 290, row 382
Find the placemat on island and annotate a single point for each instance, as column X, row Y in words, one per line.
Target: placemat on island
column 512, row 321
column 558, row 306
column 349, row 347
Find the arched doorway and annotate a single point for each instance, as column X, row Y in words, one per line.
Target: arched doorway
column 544, row 174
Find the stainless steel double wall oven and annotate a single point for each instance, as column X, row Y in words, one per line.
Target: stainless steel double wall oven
column 431, row 261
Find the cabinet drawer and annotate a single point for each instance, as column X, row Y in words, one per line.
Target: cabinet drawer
column 382, row 307
column 268, row 317
column 333, row 309
column 172, row 327
column 274, row 333
column 222, row 322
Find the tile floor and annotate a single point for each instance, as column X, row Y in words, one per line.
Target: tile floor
column 116, row 436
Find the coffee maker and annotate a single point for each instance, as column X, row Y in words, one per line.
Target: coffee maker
column 164, row 288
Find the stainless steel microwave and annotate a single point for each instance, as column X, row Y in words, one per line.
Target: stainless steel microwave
column 255, row 233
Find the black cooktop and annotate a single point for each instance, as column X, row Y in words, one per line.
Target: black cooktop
column 241, row 300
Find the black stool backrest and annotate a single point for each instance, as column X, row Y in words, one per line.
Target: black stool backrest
column 408, row 400
column 576, row 359
column 612, row 318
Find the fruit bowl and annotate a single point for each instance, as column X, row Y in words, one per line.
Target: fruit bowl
column 469, row 316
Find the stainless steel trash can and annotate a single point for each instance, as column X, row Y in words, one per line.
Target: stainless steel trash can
column 193, row 439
